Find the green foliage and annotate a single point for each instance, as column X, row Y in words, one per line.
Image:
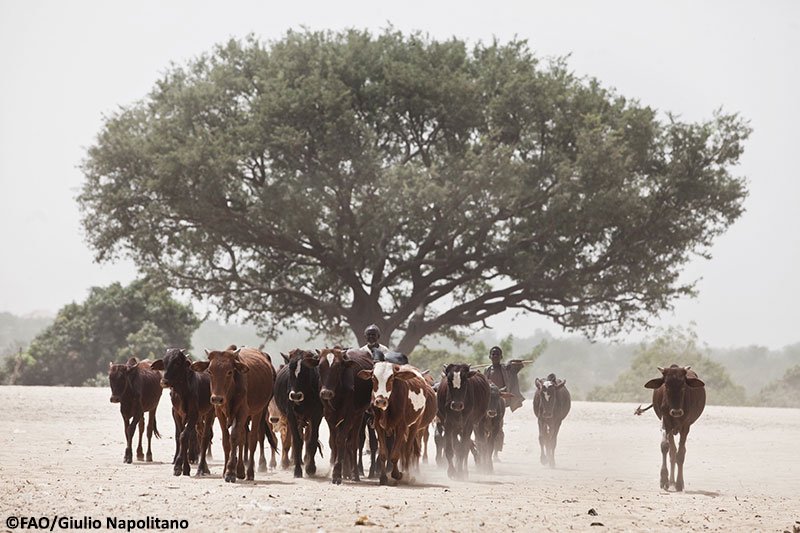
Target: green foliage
column 16, row 332
column 113, row 323
column 673, row 346
column 784, row 392
column 346, row 178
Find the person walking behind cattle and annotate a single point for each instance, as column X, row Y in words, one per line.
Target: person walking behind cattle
column 372, row 335
column 551, row 403
column 505, row 376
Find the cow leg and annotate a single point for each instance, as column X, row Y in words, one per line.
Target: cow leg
column 205, row 439
column 286, row 446
column 448, row 453
column 187, row 436
column 139, row 450
column 311, row 447
column 178, row 419
column 255, row 438
column 130, row 428
column 398, row 446
column 151, row 428
column 553, row 441
column 382, row 457
column 340, row 447
column 262, row 459
column 373, row 451
column 673, row 450
column 356, row 436
column 681, row 456
column 426, row 433
column 297, row 442
column 244, row 456
column 542, row 441
column 235, row 441
column 438, row 441
column 664, row 451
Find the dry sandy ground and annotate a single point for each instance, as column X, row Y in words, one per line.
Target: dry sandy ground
column 61, row 453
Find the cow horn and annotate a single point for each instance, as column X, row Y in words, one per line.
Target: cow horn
column 687, row 368
column 660, row 369
column 236, row 351
column 207, row 352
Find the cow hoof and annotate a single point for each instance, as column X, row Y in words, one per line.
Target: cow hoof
column 397, row 475
column 384, row 480
column 230, row 478
column 298, row 471
column 311, row 469
column 543, row 459
column 679, row 486
column 336, row 481
column 201, row 473
column 176, row 471
column 140, row 457
column 451, row 472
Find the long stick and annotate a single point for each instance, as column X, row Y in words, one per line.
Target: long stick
column 524, row 362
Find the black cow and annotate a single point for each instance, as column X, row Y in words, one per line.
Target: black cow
column 345, row 400
column 679, row 397
column 551, row 403
column 489, row 431
column 463, row 399
column 134, row 386
column 191, row 409
column 297, row 397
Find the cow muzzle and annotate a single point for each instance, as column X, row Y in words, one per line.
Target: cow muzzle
column 274, row 420
column 217, row 400
column 677, row 413
column 457, row 406
column 115, row 399
column 164, row 383
column 326, row 394
column 295, row 397
column 381, row 403
column 491, row 413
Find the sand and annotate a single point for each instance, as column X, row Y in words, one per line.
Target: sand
column 61, row 453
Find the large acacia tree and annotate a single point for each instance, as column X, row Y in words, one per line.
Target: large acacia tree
column 347, row 178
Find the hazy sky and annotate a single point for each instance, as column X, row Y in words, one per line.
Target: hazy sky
column 63, row 65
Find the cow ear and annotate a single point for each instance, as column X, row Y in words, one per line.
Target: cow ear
column 158, row 364
column 311, row 362
column 318, row 352
column 132, row 362
column 364, row 374
column 446, row 368
column 695, row 382
column 506, row 395
column 200, row 366
column 348, row 363
column 560, row 383
column 285, row 357
column 538, row 383
column 654, row 383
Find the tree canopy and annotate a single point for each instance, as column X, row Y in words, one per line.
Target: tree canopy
column 343, row 179
column 114, row 323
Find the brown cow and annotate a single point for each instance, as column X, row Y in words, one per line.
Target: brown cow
column 241, row 388
column 679, row 398
column 278, row 424
column 401, row 399
column 135, row 387
column 345, row 398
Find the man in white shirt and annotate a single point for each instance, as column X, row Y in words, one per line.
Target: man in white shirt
column 373, row 333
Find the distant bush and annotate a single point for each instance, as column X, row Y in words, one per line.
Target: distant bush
column 673, row 346
column 784, row 392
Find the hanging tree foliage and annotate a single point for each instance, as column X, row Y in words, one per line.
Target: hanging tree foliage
column 349, row 178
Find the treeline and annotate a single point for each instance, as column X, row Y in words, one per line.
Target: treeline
column 116, row 322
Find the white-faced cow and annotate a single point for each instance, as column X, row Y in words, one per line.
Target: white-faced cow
column 403, row 405
column 679, row 398
column 551, row 404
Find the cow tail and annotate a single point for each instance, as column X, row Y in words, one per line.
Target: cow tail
column 319, row 449
column 273, row 442
column 155, row 426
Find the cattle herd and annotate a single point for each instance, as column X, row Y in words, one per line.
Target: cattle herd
column 393, row 407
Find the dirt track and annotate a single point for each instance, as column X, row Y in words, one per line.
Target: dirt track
column 61, row 453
